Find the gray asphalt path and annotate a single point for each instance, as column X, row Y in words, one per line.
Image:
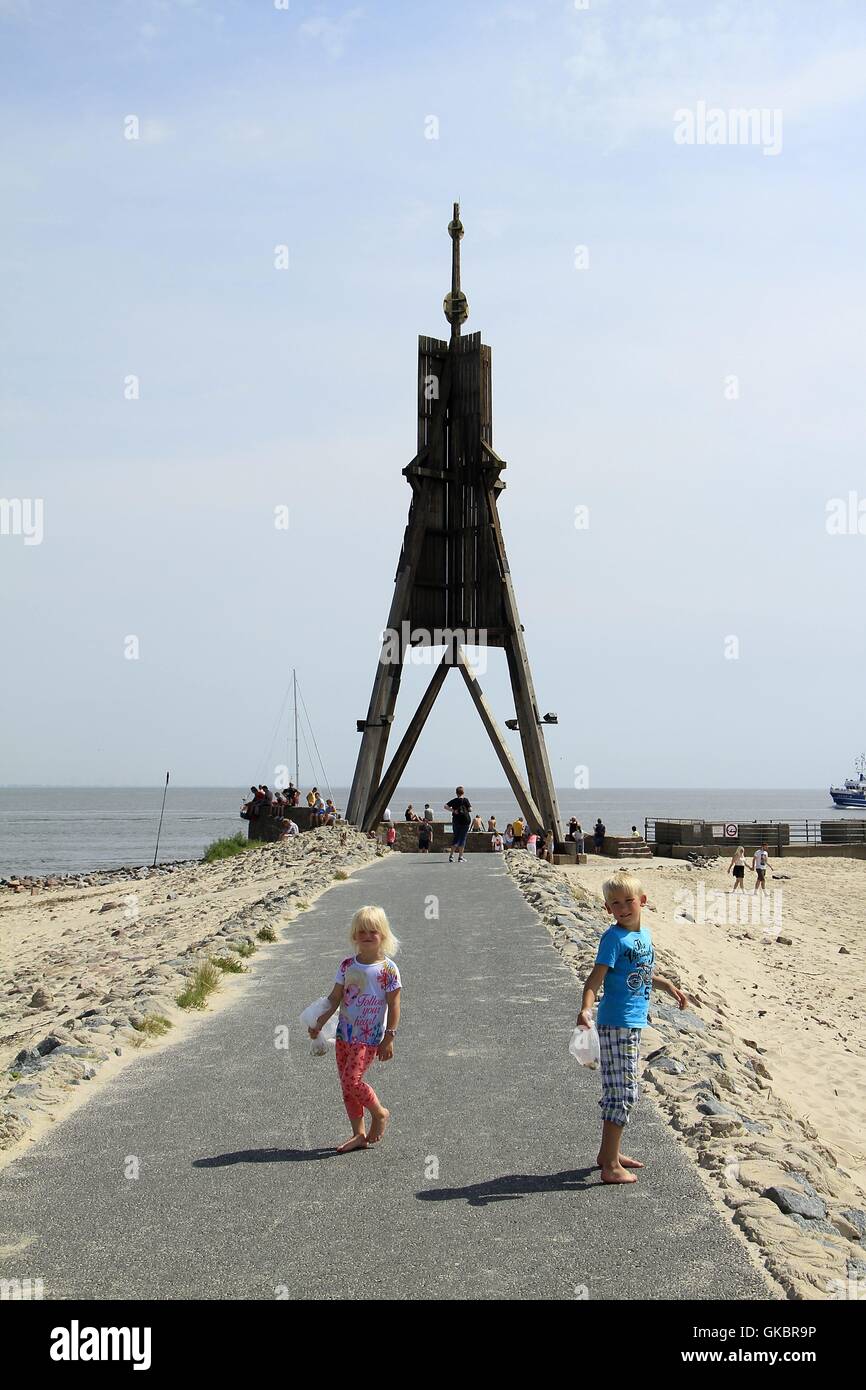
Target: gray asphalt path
column 481, row 1189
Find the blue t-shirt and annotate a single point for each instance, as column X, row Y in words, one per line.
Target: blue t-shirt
column 629, row 956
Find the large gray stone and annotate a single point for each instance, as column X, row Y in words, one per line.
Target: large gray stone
column 794, row 1203
column 857, row 1217
column 671, row 1066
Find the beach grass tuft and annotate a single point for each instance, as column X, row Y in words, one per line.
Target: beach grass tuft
column 247, row 948
column 224, row 849
column 151, row 1026
column 341, row 875
column 229, row 965
column 204, row 980
column 266, row 934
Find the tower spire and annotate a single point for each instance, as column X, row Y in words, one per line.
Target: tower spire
column 456, row 305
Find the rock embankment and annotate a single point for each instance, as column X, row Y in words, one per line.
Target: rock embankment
column 781, row 1186
column 85, row 978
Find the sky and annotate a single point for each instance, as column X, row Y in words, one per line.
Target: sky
column 676, row 330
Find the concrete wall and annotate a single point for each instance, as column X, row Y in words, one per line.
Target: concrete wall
column 852, row 851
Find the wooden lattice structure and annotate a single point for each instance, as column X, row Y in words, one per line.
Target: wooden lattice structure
column 453, row 582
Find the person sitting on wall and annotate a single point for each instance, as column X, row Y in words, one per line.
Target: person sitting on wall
column 319, row 810
column 288, row 829
column 476, row 825
column 428, row 811
column 331, row 813
column 311, row 797
column 250, row 809
column 572, row 826
column 411, row 814
column 491, row 823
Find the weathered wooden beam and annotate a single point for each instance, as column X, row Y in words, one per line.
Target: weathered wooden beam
column 503, row 752
column 380, row 798
column 531, row 737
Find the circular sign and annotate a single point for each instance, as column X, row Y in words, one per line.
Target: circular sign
column 731, row 830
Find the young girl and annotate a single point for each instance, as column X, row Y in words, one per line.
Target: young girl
column 367, row 984
column 737, row 867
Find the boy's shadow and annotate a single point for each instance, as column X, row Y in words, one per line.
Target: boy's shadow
column 265, row 1156
column 513, row 1186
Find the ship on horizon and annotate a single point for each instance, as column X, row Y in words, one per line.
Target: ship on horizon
column 854, row 791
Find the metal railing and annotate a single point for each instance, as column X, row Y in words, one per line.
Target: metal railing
column 752, row 833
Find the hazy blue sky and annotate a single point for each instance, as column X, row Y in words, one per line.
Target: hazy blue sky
column 259, row 387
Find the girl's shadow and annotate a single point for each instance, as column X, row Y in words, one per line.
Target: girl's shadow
column 266, row 1156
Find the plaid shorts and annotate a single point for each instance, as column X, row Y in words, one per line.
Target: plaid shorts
column 620, row 1050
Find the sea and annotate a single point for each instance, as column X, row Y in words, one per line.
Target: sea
column 67, row 830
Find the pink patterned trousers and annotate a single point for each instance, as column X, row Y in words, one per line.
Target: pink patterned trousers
column 353, row 1059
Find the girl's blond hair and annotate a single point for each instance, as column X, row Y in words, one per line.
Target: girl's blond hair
column 622, row 882
column 374, row 919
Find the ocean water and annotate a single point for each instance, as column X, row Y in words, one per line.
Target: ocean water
column 46, row 830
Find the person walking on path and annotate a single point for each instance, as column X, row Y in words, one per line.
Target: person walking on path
column 461, row 819
column 391, row 836
column 367, row 986
column 760, row 865
column 425, row 835
column 737, row 867
column 624, row 965
column 599, row 832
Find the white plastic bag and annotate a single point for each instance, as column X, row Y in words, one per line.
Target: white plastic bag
column 585, row 1046
column 328, row 1035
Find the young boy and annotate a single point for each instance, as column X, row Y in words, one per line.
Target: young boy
column 624, row 964
column 760, row 865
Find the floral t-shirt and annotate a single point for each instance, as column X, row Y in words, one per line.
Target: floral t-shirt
column 365, row 1003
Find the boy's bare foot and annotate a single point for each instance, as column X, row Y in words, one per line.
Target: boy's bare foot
column 624, row 1161
column 617, row 1174
column 378, row 1127
column 357, row 1141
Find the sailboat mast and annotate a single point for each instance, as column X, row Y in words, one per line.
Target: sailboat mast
column 297, row 768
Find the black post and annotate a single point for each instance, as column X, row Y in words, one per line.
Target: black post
column 159, row 831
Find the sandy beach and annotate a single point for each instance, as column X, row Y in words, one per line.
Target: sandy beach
column 799, row 1004
column 762, row 1076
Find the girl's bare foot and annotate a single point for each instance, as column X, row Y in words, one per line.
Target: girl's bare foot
column 378, row 1127
column 617, row 1174
column 624, row 1162
column 357, row 1141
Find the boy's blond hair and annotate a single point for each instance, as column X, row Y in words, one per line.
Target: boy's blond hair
column 622, row 882
column 374, row 919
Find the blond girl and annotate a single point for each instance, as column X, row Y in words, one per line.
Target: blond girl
column 367, row 993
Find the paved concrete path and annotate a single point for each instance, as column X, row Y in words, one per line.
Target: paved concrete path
column 239, row 1195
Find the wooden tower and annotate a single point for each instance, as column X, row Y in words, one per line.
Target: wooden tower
column 453, row 586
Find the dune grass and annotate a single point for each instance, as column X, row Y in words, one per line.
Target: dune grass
column 247, row 948
column 224, row 849
column 266, row 934
column 203, row 981
column 229, row 965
